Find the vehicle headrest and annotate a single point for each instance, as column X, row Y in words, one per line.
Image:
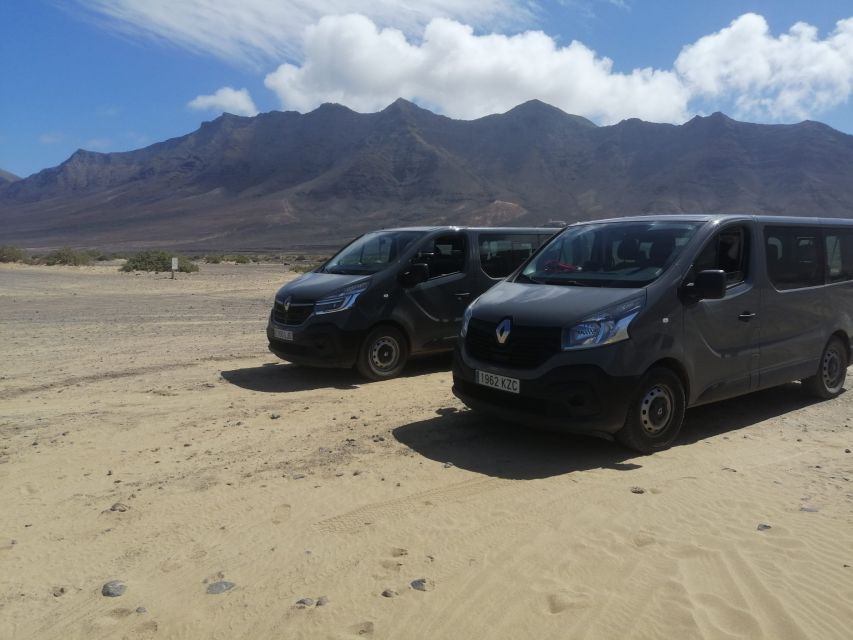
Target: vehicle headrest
column 661, row 249
column 628, row 249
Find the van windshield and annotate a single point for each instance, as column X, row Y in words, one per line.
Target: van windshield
column 372, row 252
column 610, row 254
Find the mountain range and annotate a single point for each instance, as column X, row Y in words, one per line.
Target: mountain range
column 285, row 179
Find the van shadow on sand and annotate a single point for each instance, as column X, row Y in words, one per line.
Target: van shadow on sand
column 275, row 377
column 520, row 453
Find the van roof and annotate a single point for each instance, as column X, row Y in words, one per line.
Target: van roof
column 464, row 228
column 727, row 217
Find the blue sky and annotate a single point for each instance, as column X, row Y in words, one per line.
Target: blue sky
column 114, row 75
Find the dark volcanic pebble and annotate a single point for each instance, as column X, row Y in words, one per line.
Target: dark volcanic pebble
column 305, row 602
column 763, row 527
column 422, row 584
column 390, row 593
column 219, row 587
column 113, row 588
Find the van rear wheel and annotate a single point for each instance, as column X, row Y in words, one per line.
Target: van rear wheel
column 383, row 354
column 831, row 372
column 656, row 414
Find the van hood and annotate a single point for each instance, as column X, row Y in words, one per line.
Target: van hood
column 546, row 305
column 314, row 286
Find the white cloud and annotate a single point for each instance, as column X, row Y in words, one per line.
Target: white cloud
column 794, row 75
column 257, row 31
column 228, row 100
column 51, row 138
column 349, row 59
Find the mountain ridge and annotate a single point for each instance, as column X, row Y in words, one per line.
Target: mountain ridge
column 282, row 178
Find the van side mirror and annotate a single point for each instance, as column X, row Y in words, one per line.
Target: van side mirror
column 708, row 285
column 414, row 274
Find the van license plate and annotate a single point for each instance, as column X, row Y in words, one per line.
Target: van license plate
column 283, row 334
column 498, row 382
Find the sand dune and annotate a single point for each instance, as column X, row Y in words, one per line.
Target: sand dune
column 158, row 396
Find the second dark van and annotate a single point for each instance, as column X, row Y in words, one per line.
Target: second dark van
column 615, row 327
column 392, row 294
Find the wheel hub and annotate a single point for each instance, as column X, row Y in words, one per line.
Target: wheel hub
column 384, row 353
column 831, row 371
column 656, row 409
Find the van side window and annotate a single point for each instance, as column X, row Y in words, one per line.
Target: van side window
column 448, row 255
column 839, row 254
column 501, row 253
column 793, row 257
column 728, row 251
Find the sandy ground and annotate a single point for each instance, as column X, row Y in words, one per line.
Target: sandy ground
column 294, row 483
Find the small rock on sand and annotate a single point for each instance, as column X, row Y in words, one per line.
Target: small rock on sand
column 390, row 593
column 763, row 527
column 222, row 586
column 118, row 506
column 113, row 588
column 322, row 601
column 58, row 591
column 809, row 509
column 141, row 610
column 423, row 584
column 637, row 490
column 275, row 416
column 305, row 602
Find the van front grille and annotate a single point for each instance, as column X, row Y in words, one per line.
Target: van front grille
column 526, row 347
column 295, row 314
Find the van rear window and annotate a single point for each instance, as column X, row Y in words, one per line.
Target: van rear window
column 839, row 254
column 794, row 257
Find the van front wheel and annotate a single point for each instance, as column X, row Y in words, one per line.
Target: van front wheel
column 656, row 414
column 831, row 372
column 383, row 354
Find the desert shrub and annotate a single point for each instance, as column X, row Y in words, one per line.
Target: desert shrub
column 157, row 261
column 67, row 255
column 213, row 259
column 241, row 259
column 11, row 254
column 305, row 267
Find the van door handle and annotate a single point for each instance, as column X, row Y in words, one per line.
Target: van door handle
column 746, row 316
column 462, row 294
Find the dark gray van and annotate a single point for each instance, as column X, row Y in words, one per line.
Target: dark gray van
column 391, row 294
column 616, row 326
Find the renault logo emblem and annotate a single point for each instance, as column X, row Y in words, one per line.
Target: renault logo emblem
column 502, row 330
column 287, row 304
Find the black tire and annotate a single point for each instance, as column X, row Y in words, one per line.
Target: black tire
column 383, row 354
column 828, row 382
column 656, row 414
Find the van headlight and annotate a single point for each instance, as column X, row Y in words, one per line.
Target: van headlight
column 605, row 327
column 466, row 318
column 341, row 300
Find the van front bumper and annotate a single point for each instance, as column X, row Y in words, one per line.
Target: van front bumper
column 578, row 398
column 317, row 345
